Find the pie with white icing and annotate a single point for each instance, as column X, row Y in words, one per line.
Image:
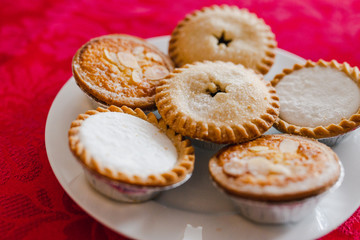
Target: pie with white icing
column 130, row 147
column 219, row 102
column 120, row 70
column 276, row 168
column 224, row 33
column 318, row 100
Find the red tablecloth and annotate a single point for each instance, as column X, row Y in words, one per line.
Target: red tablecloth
column 37, row 41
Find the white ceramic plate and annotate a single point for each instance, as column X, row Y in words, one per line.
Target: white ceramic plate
column 196, row 202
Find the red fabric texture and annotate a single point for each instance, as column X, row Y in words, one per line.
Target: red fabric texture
column 37, row 41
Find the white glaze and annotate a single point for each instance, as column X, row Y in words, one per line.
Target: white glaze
column 127, row 144
column 317, row 96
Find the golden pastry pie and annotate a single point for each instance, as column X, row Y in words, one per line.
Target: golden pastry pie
column 120, row 70
column 224, row 33
column 130, row 147
column 276, row 168
column 217, row 102
column 318, row 100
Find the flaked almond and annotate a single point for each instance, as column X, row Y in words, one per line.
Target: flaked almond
column 153, row 56
column 143, row 62
column 128, row 60
column 234, row 168
column 279, row 169
column 156, row 72
column 111, row 57
column 258, row 148
column 259, row 166
column 136, row 76
column 138, row 50
column 288, row 146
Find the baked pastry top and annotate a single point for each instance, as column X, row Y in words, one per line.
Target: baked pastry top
column 276, row 168
column 129, row 146
column 121, row 70
column 223, row 33
column 318, row 99
column 217, row 102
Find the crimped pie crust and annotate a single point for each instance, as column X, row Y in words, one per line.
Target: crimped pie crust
column 276, row 168
column 185, row 151
column 331, row 130
column 224, row 33
column 120, row 69
column 217, row 102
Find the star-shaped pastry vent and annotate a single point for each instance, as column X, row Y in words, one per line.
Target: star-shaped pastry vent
column 222, row 40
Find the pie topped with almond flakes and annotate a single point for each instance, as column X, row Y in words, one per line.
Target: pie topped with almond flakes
column 120, row 70
column 276, row 168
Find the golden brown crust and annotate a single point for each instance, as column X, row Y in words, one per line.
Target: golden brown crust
column 249, row 186
column 183, row 167
column 85, row 71
column 331, row 130
column 266, row 48
column 222, row 130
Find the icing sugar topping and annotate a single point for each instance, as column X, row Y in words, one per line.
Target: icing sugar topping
column 317, row 96
column 220, row 92
column 127, row 144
